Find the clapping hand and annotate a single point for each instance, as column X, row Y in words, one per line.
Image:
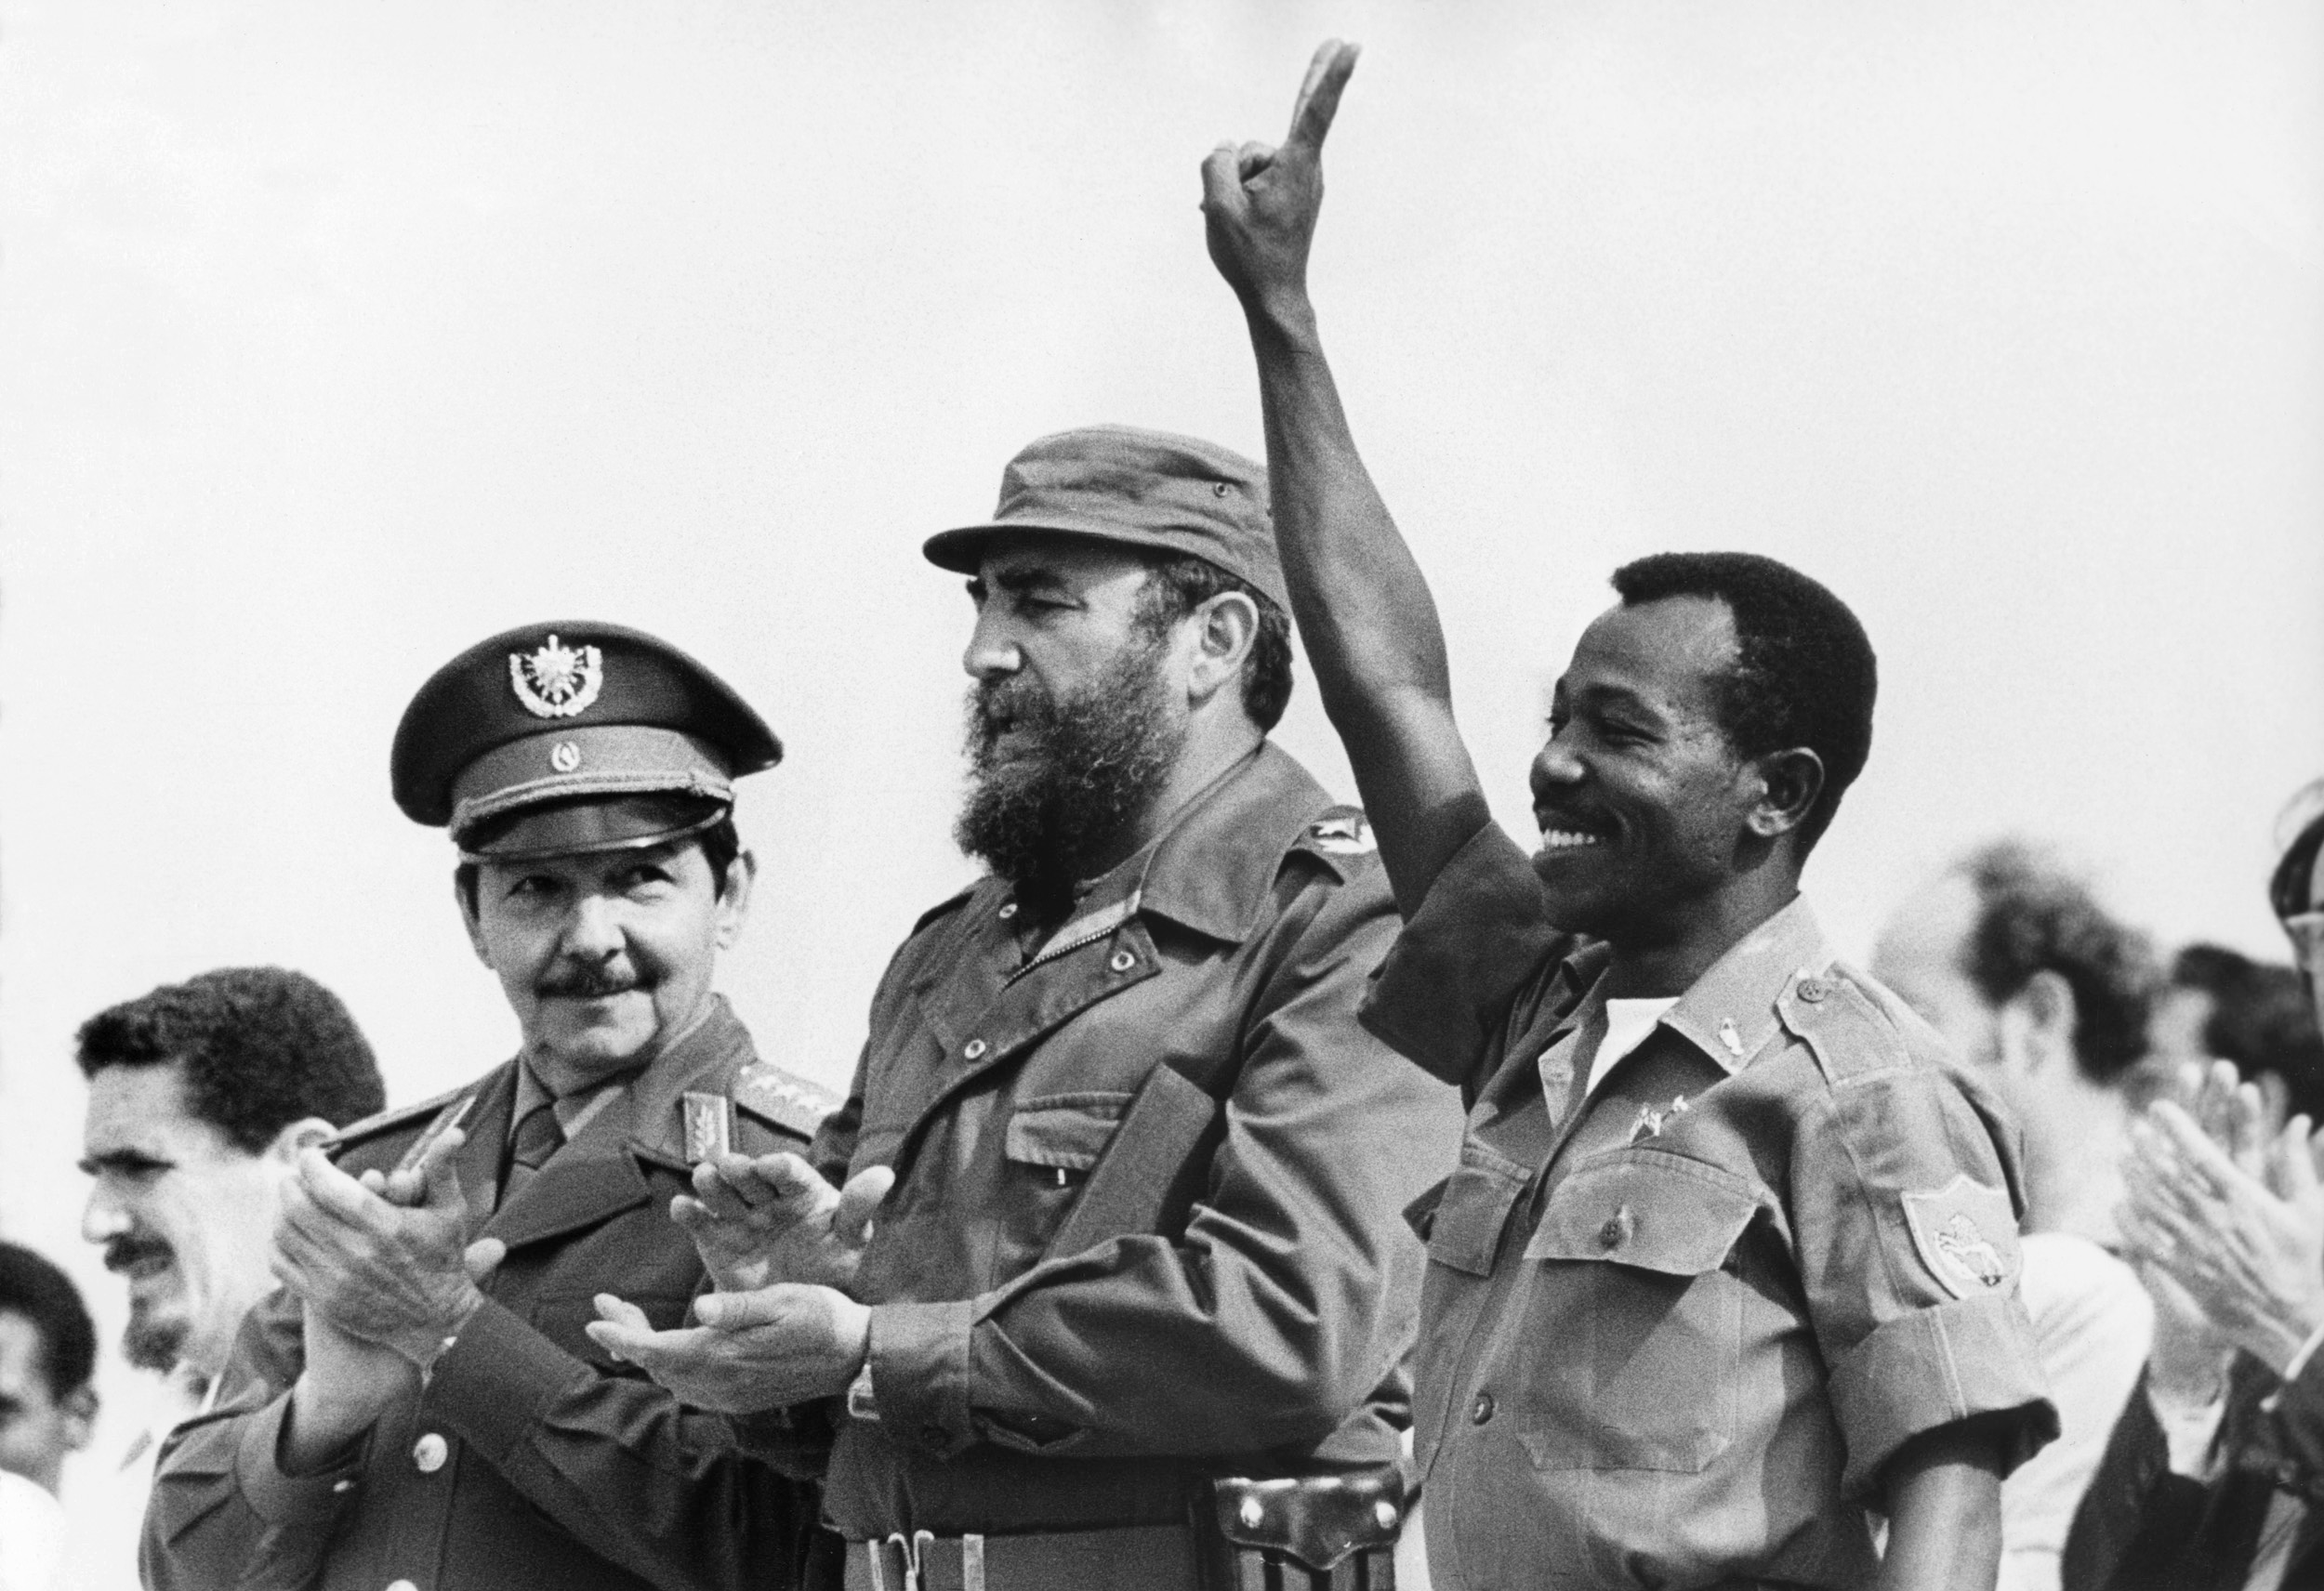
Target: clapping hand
column 2245, row 1241
column 774, row 1219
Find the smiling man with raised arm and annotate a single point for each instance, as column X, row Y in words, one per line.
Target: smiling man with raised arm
column 1729, row 1262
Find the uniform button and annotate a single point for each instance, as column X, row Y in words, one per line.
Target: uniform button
column 1253, row 1512
column 1616, row 1228
column 402, row 1586
column 1384, row 1514
column 1008, row 910
column 1123, row 961
column 1811, row 989
column 1482, row 1410
column 340, row 1487
column 429, row 1454
column 973, row 1048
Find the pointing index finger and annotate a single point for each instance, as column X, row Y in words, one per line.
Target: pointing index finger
column 1319, row 96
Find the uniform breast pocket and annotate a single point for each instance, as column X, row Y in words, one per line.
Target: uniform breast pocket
column 1463, row 1225
column 1638, row 1317
column 1059, row 1136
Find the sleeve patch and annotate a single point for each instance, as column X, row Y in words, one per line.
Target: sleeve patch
column 1966, row 1234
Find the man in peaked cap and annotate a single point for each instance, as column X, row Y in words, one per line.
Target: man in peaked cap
column 1143, row 1263
column 419, row 1406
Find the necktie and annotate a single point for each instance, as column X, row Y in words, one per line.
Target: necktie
column 538, row 1136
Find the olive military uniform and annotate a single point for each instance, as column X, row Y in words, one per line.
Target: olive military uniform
column 529, row 1459
column 1089, row 1287
column 1674, row 1327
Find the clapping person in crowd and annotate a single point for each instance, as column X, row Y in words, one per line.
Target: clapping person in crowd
column 201, row 1097
column 2212, row 1477
column 2221, row 1005
column 48, row 1410
column 1729, row 1257
column 2046, row 995
column 419, row 1406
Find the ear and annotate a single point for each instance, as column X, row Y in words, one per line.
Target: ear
column 2038, row 1021
column 304, row 1133
column 1788, row 784
column 1225, row 629
column 735, row 900
column 466, row 900
column 80, row 1418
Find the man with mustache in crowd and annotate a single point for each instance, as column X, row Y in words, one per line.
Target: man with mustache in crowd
column 201, row 1096
column 1729, row 1260
column 420, row 1406
column 1144, row 1252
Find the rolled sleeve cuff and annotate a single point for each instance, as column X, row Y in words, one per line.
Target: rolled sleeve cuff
column 919, row 1361
column 284, row 1501
column 494, row 1386
column 1935, row 1368
column 1461, row 959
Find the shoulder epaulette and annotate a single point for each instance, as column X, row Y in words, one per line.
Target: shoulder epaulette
column 1849, row 1034
column 1339, row 835
column 942, row 908
column 388, row 1121
column 782, row 1099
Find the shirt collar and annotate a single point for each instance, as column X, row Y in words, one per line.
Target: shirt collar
column 1729, row 1012
column 655, row 1088
column 1214, row 867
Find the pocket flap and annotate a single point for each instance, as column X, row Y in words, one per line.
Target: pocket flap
column 1654, row 1210
column 1069, row 1132
column 1465, row 1226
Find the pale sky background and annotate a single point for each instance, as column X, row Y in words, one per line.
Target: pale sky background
column 334, row 337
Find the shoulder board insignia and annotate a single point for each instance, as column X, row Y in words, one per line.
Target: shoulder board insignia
column 1344, row 831
column 784, row 1099
column 401, row 1115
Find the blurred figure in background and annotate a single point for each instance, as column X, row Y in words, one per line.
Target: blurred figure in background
column 2221, row 1004
column 2213, row 1477
column 2047, row 997
column 47, row 1409
column 201, row 1096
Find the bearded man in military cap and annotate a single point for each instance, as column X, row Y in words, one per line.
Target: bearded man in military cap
column 1140, row 1296
column 418, row 1405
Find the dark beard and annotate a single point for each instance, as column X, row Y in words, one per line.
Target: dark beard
column 154, row 1345
column 1082, row 770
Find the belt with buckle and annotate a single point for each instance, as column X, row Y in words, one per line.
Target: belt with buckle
column 1136, row 1558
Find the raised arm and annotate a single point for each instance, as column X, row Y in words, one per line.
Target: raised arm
column 1360, row 601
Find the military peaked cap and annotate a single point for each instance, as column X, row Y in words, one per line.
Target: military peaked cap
column 573, row 736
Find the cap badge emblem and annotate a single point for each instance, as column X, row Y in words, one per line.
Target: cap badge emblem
column 558, row 682
column 565, row 757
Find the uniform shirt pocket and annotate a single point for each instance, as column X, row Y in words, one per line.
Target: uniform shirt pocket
column 1464, row 1226
column 1644, row 1312
column 1064, row 1132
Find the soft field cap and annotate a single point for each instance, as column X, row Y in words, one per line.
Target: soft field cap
column 1137, row 488
column 579, row 720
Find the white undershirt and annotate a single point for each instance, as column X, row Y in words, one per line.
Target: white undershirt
column 1627, row 1024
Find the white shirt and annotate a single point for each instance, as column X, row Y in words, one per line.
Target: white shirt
column 1627, row 1024
column 2092, row 1324
column 32, row 1535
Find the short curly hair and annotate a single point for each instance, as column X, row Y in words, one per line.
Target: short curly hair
column 2035, row 916
column 262, row 1048
column 35, row 1289
column 1804, row 674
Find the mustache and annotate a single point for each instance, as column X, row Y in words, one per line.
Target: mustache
column 583, row 984
column 123, row 1252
